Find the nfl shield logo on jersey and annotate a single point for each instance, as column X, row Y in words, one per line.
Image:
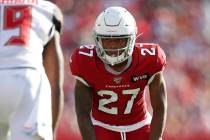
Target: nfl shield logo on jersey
column 117, row 80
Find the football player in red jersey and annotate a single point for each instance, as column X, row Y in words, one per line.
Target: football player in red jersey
column 111, row 78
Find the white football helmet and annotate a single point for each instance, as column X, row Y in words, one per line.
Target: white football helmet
column 115, row 22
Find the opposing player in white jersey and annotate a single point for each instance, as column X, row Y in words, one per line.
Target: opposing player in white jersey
column 31, row 69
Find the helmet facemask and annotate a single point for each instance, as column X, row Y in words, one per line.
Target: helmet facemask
column 116, row 55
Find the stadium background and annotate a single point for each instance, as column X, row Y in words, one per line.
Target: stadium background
column 181, row 27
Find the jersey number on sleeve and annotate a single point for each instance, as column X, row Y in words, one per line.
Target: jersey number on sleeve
column 145, row 51
column 17, row 22
column 114, row 98
column 89, row 52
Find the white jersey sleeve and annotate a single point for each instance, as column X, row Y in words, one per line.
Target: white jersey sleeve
column 26, row 27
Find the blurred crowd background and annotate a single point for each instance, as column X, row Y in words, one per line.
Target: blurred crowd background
column 182, row 28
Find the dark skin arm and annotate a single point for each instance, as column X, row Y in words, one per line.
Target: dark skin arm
column 54, row 68
column 158, row 99
column 83, row 103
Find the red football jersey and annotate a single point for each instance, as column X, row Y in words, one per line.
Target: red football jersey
column 118, row 99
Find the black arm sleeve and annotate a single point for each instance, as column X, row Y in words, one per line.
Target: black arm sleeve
column 58, row 24
column 58, row 19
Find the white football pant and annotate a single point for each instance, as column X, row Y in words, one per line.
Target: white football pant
column 25, row 105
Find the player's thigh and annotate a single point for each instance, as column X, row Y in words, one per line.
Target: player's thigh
column 141, row 134
column 11, row 86
column 105, row 134
column 18, row 120
column 31, row 81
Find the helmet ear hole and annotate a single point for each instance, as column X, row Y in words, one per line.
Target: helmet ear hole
column 115, row 22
